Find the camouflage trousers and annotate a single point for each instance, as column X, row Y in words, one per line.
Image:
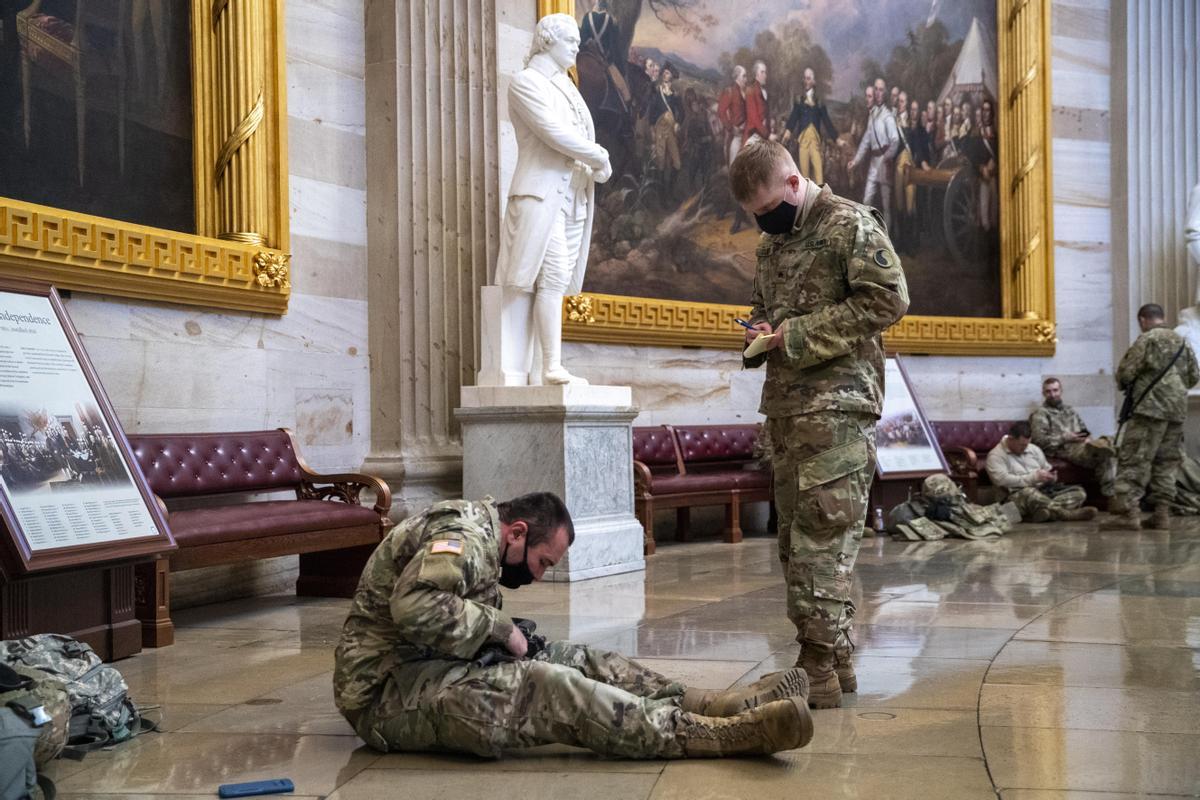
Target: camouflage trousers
column 1097, row 455
column 1150, row 452
column 569, row 694
column 823, row 465
column 1055, row 497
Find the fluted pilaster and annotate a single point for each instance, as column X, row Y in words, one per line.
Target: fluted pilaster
column 1156, row 150
column 433, row 215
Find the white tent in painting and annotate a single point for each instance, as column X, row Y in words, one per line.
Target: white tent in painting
column 975, row 69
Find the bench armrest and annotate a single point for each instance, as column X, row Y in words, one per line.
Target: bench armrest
column 962, row 460
column 346, row 487
column 641, row 478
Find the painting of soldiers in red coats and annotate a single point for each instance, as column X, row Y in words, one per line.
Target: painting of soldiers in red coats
column 891, row 103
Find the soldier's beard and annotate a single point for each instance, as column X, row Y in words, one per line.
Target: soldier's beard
column 1055, row 403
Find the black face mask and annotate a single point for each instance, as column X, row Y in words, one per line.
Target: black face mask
column 780, row 219
column 514, row 576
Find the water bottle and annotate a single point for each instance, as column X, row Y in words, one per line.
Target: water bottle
column 879, row 519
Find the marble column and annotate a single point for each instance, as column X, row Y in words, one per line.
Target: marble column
column 433, row 212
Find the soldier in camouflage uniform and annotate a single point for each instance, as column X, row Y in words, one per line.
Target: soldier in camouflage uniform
column 1060, row 432
column 828, row 283
column 1150, row 447
column 407, row 674
column 1019, row 469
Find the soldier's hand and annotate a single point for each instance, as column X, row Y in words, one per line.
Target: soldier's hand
column 754, row 332
column 517, row 644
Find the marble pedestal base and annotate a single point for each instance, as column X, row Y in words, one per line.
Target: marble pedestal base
column 575, row 441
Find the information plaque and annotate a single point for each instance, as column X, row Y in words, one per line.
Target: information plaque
column 71, row 493
column 904, row 442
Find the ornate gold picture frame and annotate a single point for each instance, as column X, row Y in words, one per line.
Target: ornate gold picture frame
column 238, row 258
column 1026, row 326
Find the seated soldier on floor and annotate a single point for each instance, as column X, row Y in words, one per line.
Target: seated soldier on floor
column 1060, row 432
column 417, row 669
column 1020, row 470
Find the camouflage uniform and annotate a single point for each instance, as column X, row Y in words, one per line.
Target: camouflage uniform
column 1015, row 476
column 427, row 602
column 1150, row 449
column 1051, row 427
column 833, row 284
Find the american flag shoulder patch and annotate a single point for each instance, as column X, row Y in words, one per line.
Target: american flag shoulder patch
column 447, row 546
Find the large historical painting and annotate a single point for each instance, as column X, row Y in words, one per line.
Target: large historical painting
column 889, row 102
column 96, row 108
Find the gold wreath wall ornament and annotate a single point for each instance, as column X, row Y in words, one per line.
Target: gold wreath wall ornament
column 271, row 270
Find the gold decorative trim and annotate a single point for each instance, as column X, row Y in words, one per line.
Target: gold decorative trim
column 1026, row 326
column 214, row 266
column 93, row 254
column 646, row 321
column 578, row 308
column 239, row 136
column 271, row 269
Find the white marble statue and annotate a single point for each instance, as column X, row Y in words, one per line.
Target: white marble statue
column 1189, row 318
column 548, row 223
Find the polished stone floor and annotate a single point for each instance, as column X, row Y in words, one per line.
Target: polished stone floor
column 1059, row 662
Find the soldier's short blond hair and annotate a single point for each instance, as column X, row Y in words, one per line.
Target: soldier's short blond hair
column 757, row 164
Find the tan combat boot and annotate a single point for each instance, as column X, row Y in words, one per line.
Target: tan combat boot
column 1076, row 514
column 1130, row 520
column 844, row 667
column 770, row 728
column 1160, row 520
column 825, row 690
column 775, row 686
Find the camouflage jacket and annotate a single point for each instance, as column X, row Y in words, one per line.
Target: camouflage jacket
column 834, row 283
column 1152, row 351
column 1051, row 426
column 429, row 591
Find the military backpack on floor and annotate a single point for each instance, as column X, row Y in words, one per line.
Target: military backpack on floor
column 34, row 716
column 101, row 712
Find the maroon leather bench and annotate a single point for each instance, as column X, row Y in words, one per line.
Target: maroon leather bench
column 325, row 523
column 966, row 444
column 696, row 465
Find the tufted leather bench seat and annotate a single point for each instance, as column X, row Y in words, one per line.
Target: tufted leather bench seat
column 325, row 524
column 967, row 443
column 696, row 465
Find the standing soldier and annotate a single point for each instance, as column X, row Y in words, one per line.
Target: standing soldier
column 809, row 124
column 1155, row 374
column 880, row 143
column 827, row 285
column 1060, row 432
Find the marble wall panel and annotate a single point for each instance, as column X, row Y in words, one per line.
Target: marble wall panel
column 1082, row 174
column 328, row 211
column 330, row 269
column 323, row 153
column 327, row 96
column 328, row 33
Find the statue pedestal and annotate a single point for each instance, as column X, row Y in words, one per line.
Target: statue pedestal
column 575, row 441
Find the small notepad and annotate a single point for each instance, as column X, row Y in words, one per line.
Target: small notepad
column 759, row 345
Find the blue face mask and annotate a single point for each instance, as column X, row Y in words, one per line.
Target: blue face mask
column 780, row 219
